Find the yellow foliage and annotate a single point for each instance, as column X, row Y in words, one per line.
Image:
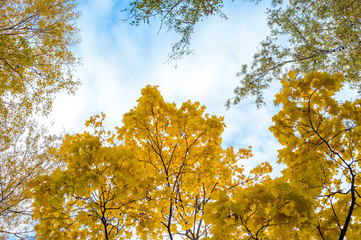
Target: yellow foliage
column 35, row 59
column 317, row 196
column 157, row 180
column 320, row 137
column 36, row 63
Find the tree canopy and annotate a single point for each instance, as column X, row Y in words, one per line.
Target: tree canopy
column 163, row 172
column 181, row 16
column 320, row 135
column 35, row 57
column 317, row 196
column 36, row 63
column 22, row 158
column 320, row 35
column 152, row 177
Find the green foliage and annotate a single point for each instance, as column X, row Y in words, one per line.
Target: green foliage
column 180, row 16
column 305, row 35
column 322, row 35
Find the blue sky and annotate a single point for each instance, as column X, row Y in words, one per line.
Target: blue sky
column 119, row 60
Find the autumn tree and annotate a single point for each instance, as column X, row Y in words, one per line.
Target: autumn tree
column 93, row 193
column 317, row 196
column 35, row 63
column 262, row 209
column 35, row 57
column 305, row 35
column 321, row 139
column 152, row 177
column 22, row 158
column 180, row 148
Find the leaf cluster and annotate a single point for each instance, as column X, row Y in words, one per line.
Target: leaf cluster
column 305, row 35
column 36, row 62
column 152, row 177
column 321, row 140
column 35, row 57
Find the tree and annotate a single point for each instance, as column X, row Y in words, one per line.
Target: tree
column 263, row 209
column 317, row 196
column 321, row 139
column 35, row 57
column 322, row 35
column 23, row 157
column 153, row 176
column 181, row 150
column 181, row 16
column 92, row 194
column 36, row 62
column 305, row 35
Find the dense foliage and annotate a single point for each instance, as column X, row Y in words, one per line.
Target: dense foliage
column 152, row 177
column 317, row 196
column 163, row 172
column 35, row 64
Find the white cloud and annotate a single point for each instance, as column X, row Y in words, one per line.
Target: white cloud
column 119, row 60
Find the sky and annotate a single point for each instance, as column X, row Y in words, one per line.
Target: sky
column 118, row 60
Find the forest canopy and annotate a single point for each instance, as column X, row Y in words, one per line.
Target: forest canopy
column 165, row 172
